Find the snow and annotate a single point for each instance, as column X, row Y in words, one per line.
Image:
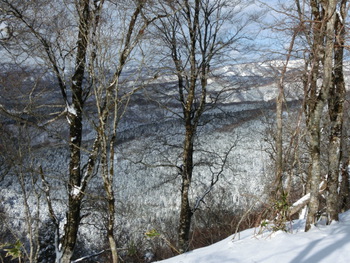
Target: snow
column 76, row 190
column 301, row 200
column 322, row 244
column 71, row 110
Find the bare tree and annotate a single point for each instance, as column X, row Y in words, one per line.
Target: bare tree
column 111, row 102
column 19, row 159
column 196, row 37
column 285, row 142
column 74, row 43
column 27, row 17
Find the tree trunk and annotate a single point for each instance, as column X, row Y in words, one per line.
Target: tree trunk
column 323, row 30
column 75, row 123
column 335, row 109
column 192, row 35
column 279, row 192
column 315, row 174
column 189, row 112
column 107, row 176
column 185, row 209
column 185, row 218
column 278, row 187
column 345, row 188
column 74, row 197
column 110, row 228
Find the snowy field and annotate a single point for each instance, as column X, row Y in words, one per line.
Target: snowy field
column 322, row 244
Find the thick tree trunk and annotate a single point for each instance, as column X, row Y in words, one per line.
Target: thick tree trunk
column 334, row 151
column 185, row 209
column 314, row 107
column 345, row 188
column 333, row 205
column 75, row 123
column 335, row 109
column 323, row 30
column 191, row 122
column 74, row 183
column 315, row 174
column 185, row 218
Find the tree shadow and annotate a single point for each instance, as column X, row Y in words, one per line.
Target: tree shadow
column 309, row 256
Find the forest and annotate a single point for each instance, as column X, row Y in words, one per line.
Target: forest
column 138, row 130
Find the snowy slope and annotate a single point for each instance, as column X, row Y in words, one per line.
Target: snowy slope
column 147, row 193
column 322, row 244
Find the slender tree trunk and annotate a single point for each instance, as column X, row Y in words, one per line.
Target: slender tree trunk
column 110, row 228
column 278, row 187
column 111, row 216
column 108, row 185
column 107, row 176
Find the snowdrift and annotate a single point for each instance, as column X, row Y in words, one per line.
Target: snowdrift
column 322, row 244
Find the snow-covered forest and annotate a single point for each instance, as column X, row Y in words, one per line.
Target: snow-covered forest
column 135, row 131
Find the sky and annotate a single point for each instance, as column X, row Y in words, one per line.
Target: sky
column 322, row 244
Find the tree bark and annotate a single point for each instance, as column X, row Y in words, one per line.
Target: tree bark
column 189, row 111
column 323, row 30
column 345, row 188
column 75, row 116
column 336, row 112
column 278, row 187
column 185, row 209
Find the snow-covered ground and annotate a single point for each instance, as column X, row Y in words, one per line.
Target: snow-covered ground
column 322, row 244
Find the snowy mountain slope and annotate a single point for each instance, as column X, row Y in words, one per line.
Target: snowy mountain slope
column 147, row 191
column 322, row 244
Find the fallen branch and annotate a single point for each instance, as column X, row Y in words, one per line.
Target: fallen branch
column 89, row 256
column 302, row 202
